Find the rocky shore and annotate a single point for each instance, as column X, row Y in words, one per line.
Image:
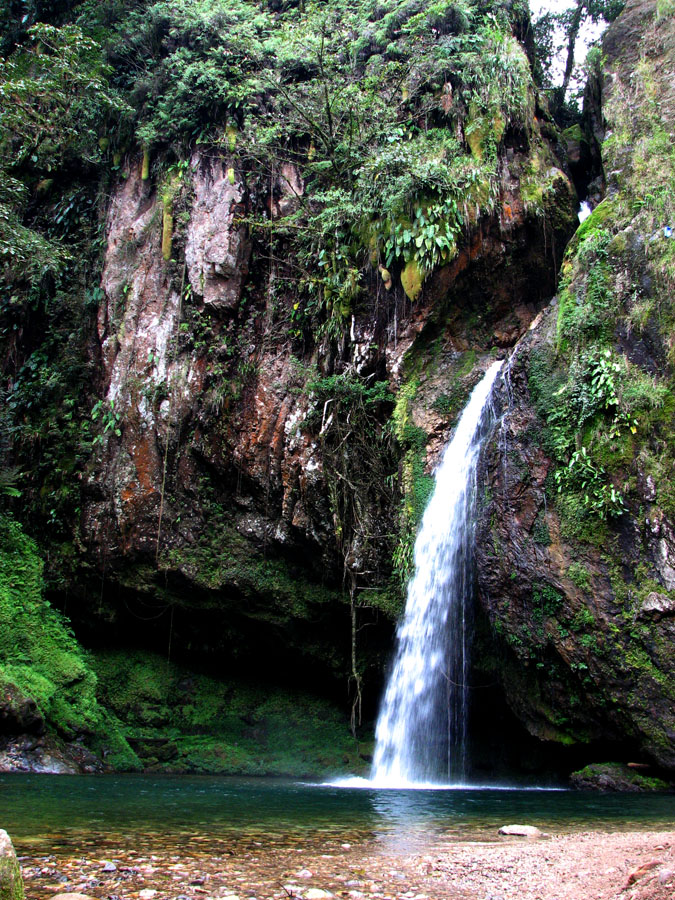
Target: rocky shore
column 631, row 865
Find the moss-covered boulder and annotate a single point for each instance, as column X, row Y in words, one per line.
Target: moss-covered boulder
column 617, row 777
column 46, row 681
column 11, row 882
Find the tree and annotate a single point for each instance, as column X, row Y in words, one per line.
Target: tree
column 570, row 22
column 54, row 99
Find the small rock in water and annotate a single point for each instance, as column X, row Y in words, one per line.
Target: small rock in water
column 520, row 830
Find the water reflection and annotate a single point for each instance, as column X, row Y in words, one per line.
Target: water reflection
column 141, row 809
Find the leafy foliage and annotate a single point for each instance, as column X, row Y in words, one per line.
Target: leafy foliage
column 40, row 658
column 365, row 98
column 54, row 99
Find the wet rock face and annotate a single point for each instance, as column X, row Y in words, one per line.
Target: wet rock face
column 216, row 250
column 148, row 385
column 585, row 656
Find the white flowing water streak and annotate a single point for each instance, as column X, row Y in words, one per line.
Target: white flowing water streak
column 584, row 211
column 421, row 735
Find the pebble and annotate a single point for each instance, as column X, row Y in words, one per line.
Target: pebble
column 72, row 897
column 109, row 866
column 317, row 894
column 147, row 894
column 304, row 873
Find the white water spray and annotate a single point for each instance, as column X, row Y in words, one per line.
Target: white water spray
column 584, row 211
column 421, row 735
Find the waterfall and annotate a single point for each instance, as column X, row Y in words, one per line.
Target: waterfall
column 421, row 734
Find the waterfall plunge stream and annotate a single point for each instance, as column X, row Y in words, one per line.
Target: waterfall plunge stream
column 421, row 735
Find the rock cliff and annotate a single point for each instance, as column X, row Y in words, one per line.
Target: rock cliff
column 250, row 482
column 575, row 543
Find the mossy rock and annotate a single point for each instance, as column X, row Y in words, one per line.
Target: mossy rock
column 11, row 882
column 576, row 143
column 602, row 213
column 412, row 278
column 573, row 133
column 178, row 720
column 481, row 130
column 615, row 776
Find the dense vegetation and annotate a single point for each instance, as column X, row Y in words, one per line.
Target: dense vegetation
column 605, row 389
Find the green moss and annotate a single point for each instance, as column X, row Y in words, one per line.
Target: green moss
column 11, row 882
column 167, row 230
column 544, row 187
column 540, row 532
column 579, row 574
column 223, row 558
column 484, row 132
column 40, row 658
column 412, row 278
column 179, row 720
column 620, row 774
column 573, row 133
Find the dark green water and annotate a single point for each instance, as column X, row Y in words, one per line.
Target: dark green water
column 60, row 809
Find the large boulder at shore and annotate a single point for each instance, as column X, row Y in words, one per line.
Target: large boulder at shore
column 617, row 777
column 11, row 882
column 47, row 755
